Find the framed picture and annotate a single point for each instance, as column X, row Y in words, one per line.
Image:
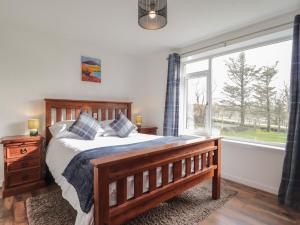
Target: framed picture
column 90, row 69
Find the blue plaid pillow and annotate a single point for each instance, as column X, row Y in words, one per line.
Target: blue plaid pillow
column 122, row 126
column 85, row 126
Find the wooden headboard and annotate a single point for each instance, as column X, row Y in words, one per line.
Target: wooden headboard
column 64, row 109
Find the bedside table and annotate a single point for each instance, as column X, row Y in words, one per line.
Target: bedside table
column 147, row 130
column 23, row 164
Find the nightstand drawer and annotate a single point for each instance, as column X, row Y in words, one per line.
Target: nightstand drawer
column 22, row 164
column 29, row 151
column 23, row 177
column 148, row 130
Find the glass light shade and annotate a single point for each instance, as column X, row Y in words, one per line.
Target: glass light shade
column 138, row 120
column 33, row 124
column 152, row 14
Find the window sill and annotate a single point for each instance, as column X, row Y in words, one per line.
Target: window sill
column 259, row 145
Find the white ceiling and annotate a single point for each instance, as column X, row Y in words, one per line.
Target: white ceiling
column 113, row 23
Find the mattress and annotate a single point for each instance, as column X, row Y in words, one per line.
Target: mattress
column 61, row 150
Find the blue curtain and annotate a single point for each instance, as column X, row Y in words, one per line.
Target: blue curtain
column 172, row 97
column 289, row 191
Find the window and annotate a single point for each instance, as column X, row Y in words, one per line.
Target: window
column 242, row 95
column 196, row 96
column 196, row 102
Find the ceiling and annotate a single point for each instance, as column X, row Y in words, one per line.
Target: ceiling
column 113, row 23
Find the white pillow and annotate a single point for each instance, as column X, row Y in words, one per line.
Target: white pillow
column 60, row 129
column 108, row 131
column 57, row 128
column 100, row 132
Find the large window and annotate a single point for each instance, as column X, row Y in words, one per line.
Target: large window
column 242, row 95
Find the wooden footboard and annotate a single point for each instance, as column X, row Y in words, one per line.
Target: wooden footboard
column 202, row 161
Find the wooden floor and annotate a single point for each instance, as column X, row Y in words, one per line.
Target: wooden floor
column 250, row 206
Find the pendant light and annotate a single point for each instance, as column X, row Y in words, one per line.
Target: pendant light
column 152, row 14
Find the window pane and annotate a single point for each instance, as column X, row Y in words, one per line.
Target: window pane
column 250, row 93
column 196, row 103
column 196, row 66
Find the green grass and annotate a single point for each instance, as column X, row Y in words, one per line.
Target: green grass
column 257, row 135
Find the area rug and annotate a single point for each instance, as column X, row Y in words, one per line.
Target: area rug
column 188, row 208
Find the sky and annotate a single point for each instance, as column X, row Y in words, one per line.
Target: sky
column 261, row 56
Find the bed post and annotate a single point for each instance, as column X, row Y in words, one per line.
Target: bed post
column 48, row 122
column 101, row 196
column 216, row 181
column 129, row 111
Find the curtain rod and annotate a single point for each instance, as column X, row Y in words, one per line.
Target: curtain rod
column 236, row 38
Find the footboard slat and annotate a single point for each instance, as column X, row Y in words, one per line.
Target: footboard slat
column 210, row 159
column 138, row 185
column 177, row 170
column 152, row 179
column 188, row 166
column 152, row 162
column 121, row 191
column 203, row 161
column 165, row 174
column 196, row 163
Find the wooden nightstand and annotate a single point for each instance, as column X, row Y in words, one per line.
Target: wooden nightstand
column 23, row 164
column 147, row 130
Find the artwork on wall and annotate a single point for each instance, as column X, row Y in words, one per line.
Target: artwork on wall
column 90, row 69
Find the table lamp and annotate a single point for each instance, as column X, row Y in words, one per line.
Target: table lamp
column 33, row 126
column 138, row 120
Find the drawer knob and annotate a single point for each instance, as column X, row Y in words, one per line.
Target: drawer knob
column 23, row 150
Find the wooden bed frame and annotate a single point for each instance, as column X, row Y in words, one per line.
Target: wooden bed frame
column 205, row 152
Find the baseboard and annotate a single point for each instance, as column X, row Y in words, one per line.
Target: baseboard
column 251, row 183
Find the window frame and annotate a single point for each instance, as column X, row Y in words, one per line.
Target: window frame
column 239, row 47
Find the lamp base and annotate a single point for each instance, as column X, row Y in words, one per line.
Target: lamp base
column 34, row 132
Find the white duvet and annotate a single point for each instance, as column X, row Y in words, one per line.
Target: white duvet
column 60, row 152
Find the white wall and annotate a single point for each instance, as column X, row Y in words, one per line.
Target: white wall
column 257, row 166
column 151, row 90
column 34, row 66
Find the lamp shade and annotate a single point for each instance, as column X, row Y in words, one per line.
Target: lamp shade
column 152, row 14
column 138, row 120
column 33, row 124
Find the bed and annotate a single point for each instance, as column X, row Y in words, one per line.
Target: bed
column 129, row 183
